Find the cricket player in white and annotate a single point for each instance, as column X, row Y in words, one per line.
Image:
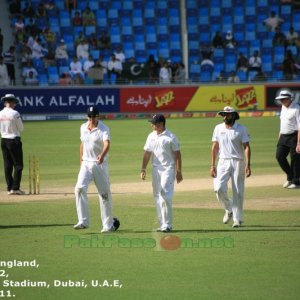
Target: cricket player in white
column 230, row 141
column 164, row 147
column 95, row 143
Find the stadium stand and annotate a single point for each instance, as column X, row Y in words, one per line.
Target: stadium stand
column 143, row 28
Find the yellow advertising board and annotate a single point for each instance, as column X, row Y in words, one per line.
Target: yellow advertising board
column 241, row 97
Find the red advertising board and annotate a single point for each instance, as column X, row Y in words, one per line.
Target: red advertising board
column 154, row 99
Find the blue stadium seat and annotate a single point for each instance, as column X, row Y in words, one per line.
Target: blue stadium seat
column 53, row 79
column 205, row 76
column 94, row 4
column 63, row 69
column 227, row 3
column 215, row 11
column 89, row 30
column 242, row 75
column 43, row 79
column 128, row 4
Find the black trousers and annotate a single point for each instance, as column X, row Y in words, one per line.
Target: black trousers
column 286, row 145
column 13, row 162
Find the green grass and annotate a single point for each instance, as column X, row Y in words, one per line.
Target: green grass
column 261, row 263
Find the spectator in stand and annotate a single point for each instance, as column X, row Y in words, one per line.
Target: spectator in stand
column 31, row 79
column 206, row 51
column 273, row 21
column 41, row 11
column 9, row 60
column 229, row 40
column 153, row 68
column 233, row 78
column 120, row 56
column 255, row 62
column 279, row 38
column 242, row 63
column 1, row 41
column 65, row 79
column 15, row 8
column 31, row 29
column 288, row 66
column 260, row 77
column 79, row 38
column 77, row 20
column 89, row 63
column 103, row 64
column 50, row 39
column 78, row 80
column 4, row 80
column 96, row 72
column 114, row 68
column 82, row 50
column 180, row 74
column 207, row 61
column 222, row 77
column 61, row 53
column 104, row 41
column 29, row 69
column 76, row 68
column 217, row 41
column 291, row 37
column 70, row 4
column 28, row 11
column 88, row 17
column 93, row 42
column 165, row 74
column 38, row 51
column 49, row 5
column 19, row 27
column 26, row 55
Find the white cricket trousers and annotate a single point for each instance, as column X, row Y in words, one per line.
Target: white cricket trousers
column 163, row 191
column 99, row 174
column 233, row 169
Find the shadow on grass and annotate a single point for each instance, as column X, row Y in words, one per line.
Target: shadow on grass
column 33, row 225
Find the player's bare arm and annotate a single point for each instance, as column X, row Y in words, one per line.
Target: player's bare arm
column 298, row 142
column 247, row 150
column 106, row 145
column 80, row 152
column 178, row 160
column 146, row 159
column 214, row 153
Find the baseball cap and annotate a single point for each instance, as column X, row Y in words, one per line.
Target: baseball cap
column 157, row 118
column 283, row 94
column 229, row 110
column 92, row 111
column 10, row 98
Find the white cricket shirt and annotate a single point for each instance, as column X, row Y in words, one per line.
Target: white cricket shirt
column 231, row 140
column 162, row 147
column 93, row 140
column 290, row 118
column 11, row 124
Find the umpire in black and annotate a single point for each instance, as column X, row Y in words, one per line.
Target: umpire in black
column 11, row 126
column 289, row 138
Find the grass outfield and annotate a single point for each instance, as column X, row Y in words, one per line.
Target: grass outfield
column 258, row 261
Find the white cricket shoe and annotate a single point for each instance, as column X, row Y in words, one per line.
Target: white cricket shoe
column 115, row 226
column 236, row 224
column 287, row 184
column 80, row 226
column 293, row 186
column 16, row 192
column 227, row 217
